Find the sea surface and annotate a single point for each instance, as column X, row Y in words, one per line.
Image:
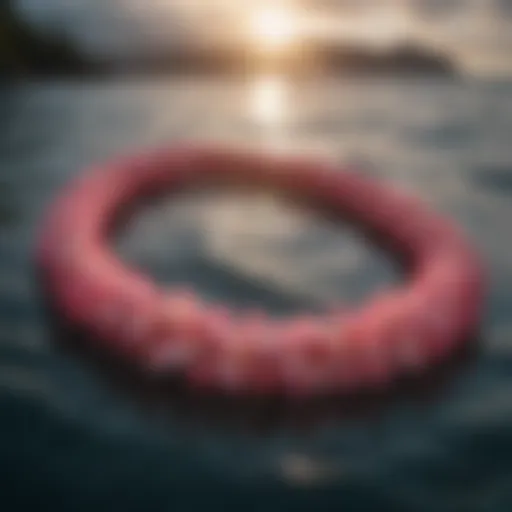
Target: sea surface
column 75, row 435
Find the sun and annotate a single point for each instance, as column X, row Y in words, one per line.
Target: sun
column 272, row 29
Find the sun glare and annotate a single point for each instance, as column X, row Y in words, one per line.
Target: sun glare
column 268, row 101
column 273, row 28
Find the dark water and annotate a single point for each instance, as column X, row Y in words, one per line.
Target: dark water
column 72, row 440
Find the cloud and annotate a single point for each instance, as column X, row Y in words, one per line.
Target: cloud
column 504, row 7
column 438, row 9
column 347, row 5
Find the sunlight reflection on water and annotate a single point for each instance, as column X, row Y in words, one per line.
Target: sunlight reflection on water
column 268, row 105
column 268, row 100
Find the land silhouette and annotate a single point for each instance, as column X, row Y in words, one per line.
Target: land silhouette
column 27, row 51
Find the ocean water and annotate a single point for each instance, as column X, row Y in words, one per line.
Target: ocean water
column 79, row 435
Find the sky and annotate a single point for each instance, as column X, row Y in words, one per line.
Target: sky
column 478, row 32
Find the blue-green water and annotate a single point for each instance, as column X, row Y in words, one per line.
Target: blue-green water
column 70, row 440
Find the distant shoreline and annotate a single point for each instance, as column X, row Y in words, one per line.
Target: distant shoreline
column 408, row 61
column 26, row 53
